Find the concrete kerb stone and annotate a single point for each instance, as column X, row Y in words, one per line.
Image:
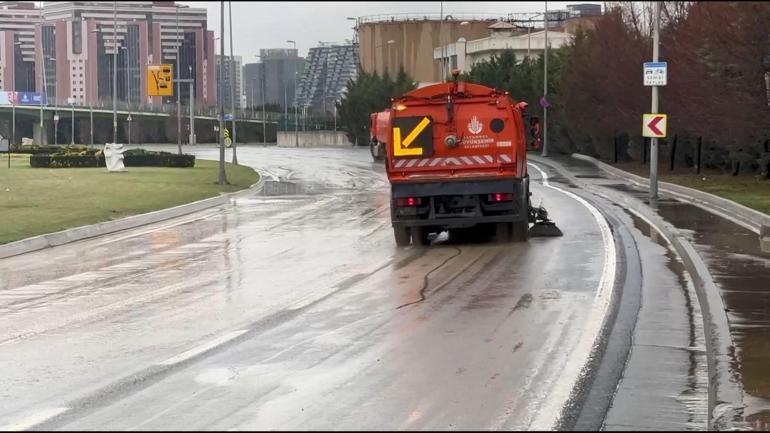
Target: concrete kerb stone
column 725, row 392
column 749, row 218
column 49, row 240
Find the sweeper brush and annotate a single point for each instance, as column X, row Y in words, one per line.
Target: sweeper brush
column 543, row 227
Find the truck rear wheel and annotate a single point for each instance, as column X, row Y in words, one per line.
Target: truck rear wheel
column 420, row 236
column 503, row 232
column 402, row 235
column 520, row 231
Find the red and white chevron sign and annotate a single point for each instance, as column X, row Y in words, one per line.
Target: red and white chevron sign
column 453, row 161
column 654, row 125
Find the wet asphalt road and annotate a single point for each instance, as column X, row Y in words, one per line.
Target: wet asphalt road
column 294, row 309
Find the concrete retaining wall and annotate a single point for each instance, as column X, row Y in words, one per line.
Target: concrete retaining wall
column 313, row 139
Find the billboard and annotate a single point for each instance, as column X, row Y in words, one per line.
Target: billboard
column 20, row 98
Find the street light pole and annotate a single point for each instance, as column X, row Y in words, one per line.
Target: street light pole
column 232, row 80
column 545, row 83
column 91, row 115
column 294, row 101
column 13, row 131
column 178, row 86
column 220, row 95
column 72, row 121
column 654, row 110
column 114, row 71
column 45, row 81
column 128, row 92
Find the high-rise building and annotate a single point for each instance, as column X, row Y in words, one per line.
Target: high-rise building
column 279, row 66
column 17, row 45
column 80, row 49
column 326, row 76
column 231, row 66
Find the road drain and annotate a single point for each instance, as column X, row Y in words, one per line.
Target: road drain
column 281, row 187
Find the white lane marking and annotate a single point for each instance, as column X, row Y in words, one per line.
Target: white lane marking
column 202, row 348
column 549, row 413
column 33, row 420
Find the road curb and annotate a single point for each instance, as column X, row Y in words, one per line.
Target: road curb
column 75, row 234
column 725, row 403
column 749, row 217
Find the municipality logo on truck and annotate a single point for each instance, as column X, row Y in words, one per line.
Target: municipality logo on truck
column 475, row 126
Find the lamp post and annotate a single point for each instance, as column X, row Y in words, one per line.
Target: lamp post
column 91, row 115
column 55, row 104
column 72, row 120
column 294, row 101
column 45, row 81
column 232, row 80
column 252, row 97
column 128, row 93
column 545, row 83
column 262, row 89
column 114, row 71
column 178, row 86
column 222, row 175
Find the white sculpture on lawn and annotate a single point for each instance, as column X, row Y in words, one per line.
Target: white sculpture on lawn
column 113, row 157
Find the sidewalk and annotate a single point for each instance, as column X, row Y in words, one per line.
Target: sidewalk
column 739, row 269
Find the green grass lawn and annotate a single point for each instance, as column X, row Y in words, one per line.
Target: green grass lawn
column 34, row 201
column 749, row 190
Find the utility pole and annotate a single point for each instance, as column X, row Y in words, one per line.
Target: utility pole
column 220, row 95
column 654, row 141
column 13, row 131
column 294, row 102
column 44, row 90
column 264, row 89
column 128, row 90
column 114, row 71
column 545, row 83
column 91, row 115
column 178, row 86
column 232, row 80
column 441, row 42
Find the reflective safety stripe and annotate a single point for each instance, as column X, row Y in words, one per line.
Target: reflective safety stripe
column 473, row 160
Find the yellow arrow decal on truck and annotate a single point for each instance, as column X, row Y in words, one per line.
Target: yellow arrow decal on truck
column 400, row 148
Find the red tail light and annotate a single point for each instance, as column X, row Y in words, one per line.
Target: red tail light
column 500, row 196
column 408, row 201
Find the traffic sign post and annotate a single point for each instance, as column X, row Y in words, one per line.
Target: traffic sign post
column 654, row 123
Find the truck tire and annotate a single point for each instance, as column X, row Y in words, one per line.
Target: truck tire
column 503, row 232
column 520, row 231
column 420, row 236
column 402, row 235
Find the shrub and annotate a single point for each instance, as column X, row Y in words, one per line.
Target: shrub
column 90, row 157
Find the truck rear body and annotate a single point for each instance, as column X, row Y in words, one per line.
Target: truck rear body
column 456, row 158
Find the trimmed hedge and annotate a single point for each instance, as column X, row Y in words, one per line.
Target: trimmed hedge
column 131, row 158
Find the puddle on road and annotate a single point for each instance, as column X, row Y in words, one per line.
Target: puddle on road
column 742, row 273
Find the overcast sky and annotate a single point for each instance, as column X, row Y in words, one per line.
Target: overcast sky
column 269, row 24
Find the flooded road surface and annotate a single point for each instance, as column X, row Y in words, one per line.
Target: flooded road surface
column 294, row 309
column 742, row 272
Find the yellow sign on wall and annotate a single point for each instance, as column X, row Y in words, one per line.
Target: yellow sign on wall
column 160, row 80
